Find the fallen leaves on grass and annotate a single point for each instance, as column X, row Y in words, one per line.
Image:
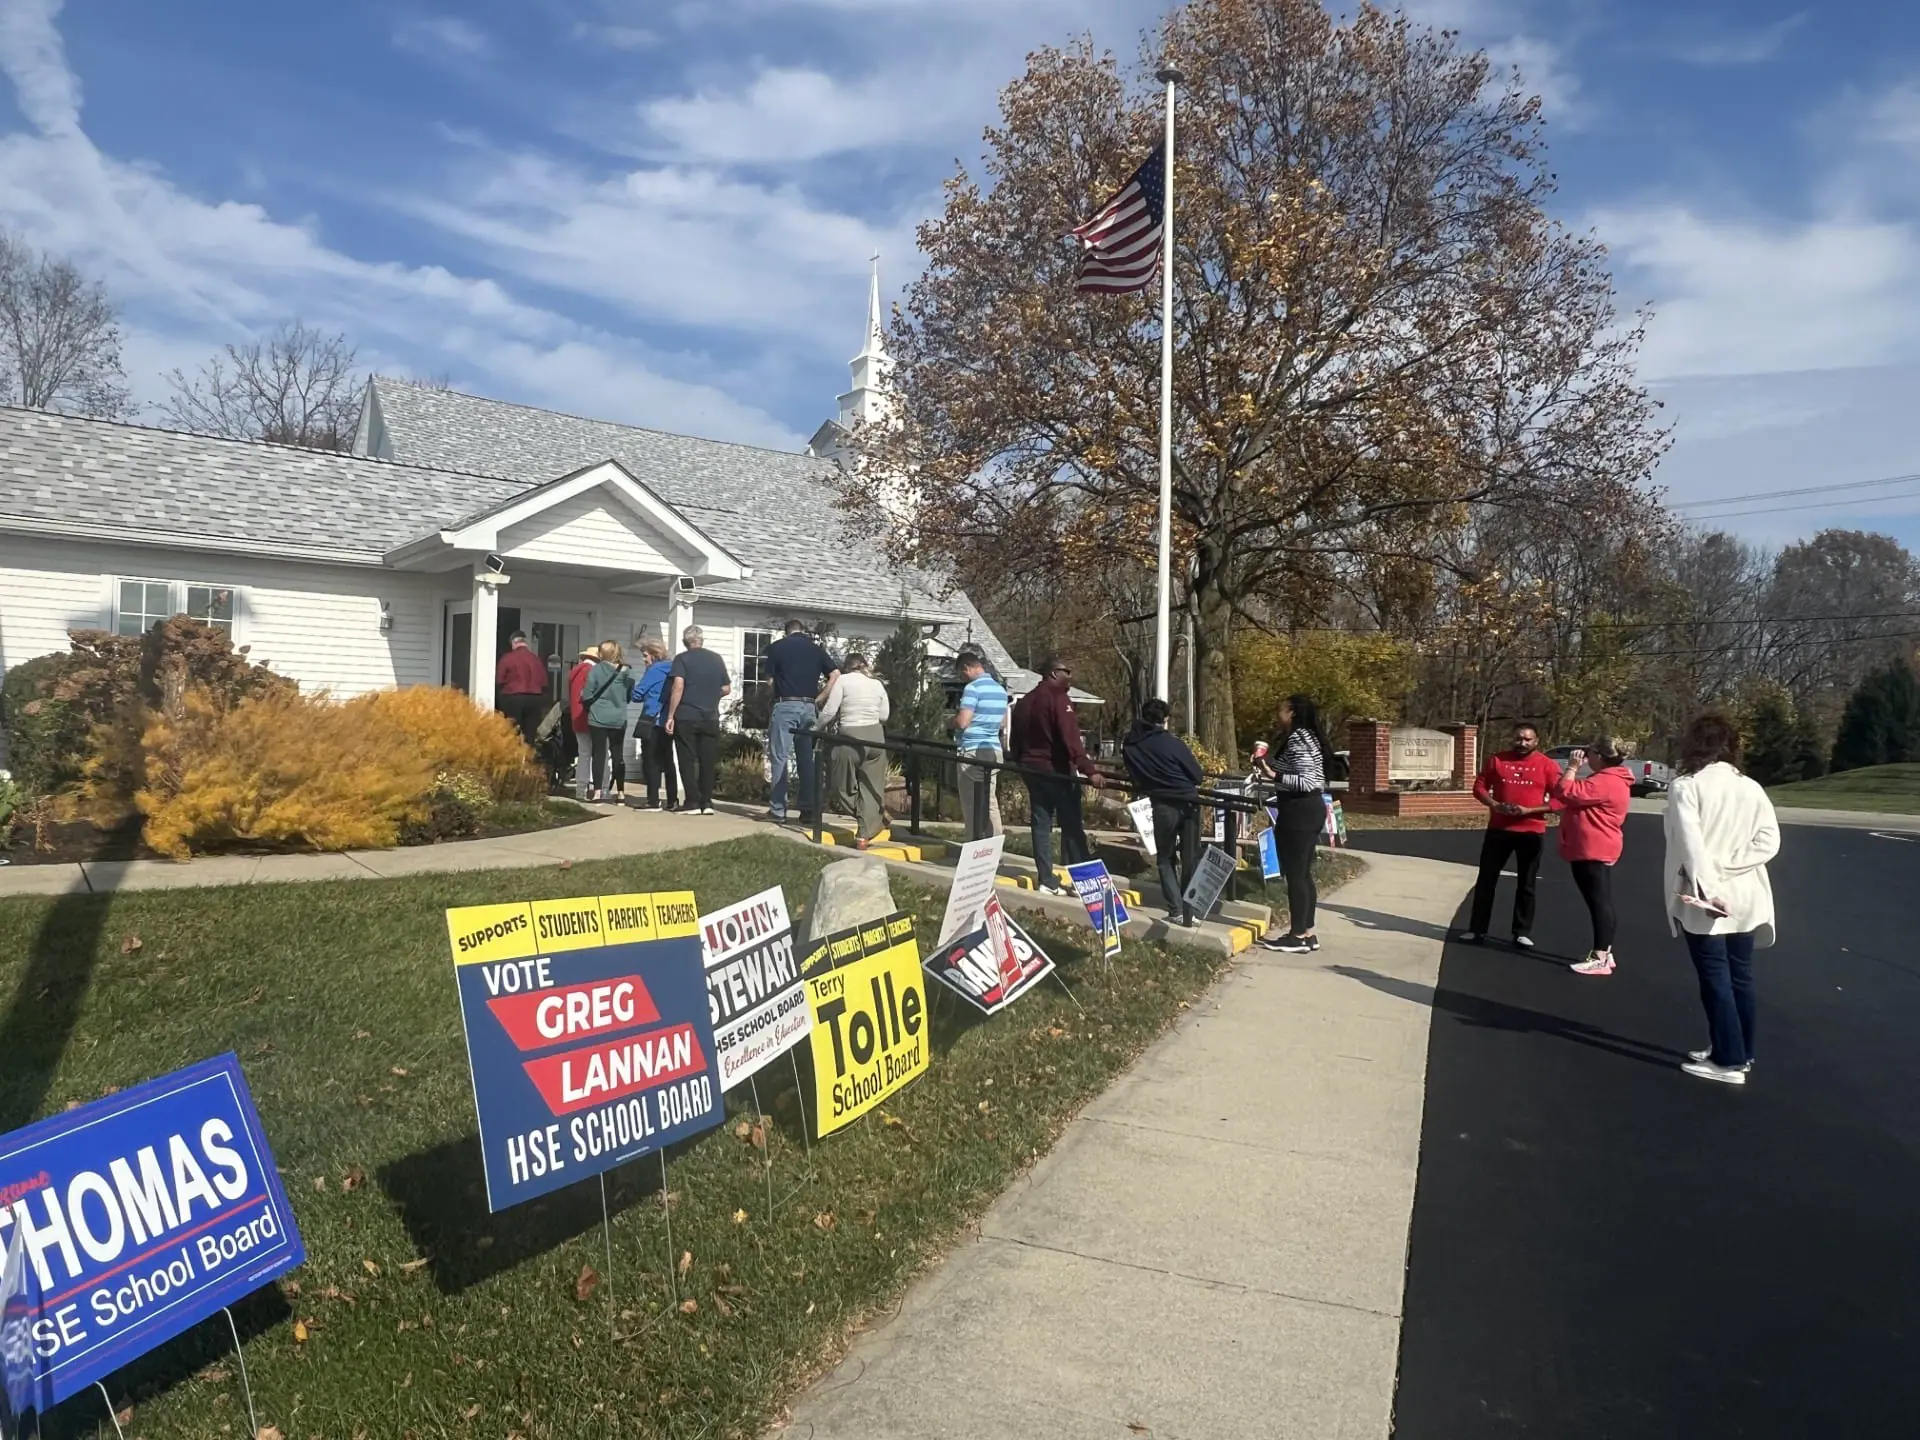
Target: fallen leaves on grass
column 413, row 1265
column 300, row 1332
column 132, row 943
column 472, row 1412
column 320, row 1182
column 689, row 1306
column 686, row 1261
column 586, row 1283
column 739, row 1217
column 370, row 1267
column 268, row 1432
column 720, row 1304
column 400, row 1070
column 824, row 1221
column 353, row 1179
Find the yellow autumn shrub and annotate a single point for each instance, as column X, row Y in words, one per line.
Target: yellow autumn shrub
column 453, row 734
column 304, row 772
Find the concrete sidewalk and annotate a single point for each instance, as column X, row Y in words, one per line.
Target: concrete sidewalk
column 608, row 836
column 1217, row 1247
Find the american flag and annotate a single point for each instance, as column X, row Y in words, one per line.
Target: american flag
column 1120, row 247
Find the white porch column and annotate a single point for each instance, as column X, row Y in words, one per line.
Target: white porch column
column 486, row 635
column 680, row 617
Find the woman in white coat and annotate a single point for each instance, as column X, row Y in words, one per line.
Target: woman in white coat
column 1721, row 831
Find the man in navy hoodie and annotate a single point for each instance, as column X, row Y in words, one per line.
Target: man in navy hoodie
column 1165, row 772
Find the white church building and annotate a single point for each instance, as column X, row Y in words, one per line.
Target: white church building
column 455, row 521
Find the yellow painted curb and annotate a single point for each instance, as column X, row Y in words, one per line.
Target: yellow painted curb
column 1242, row 936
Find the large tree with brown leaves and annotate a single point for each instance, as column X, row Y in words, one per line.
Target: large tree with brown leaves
column 1378, row 327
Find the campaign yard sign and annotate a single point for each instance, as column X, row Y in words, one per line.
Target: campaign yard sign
column 588, row 1034
column 754, row 996
column 1210, row 877
column 971, row 966
column 867, row 995
column 130, row 1220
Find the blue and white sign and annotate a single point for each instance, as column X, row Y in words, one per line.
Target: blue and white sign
column 1095, row 887
column 130, row 1220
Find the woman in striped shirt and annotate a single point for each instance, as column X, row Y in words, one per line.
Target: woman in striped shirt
column 1296, row 760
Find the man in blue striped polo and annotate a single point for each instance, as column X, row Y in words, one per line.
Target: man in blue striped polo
column 981, row 722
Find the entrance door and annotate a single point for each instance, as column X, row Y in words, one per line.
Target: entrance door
column 457, row 640
column 555, row 638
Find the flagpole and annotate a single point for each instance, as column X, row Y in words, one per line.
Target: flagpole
column 1163, row 649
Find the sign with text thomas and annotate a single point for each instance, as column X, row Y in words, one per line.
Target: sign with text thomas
column 129, row 1221
column 868, row 998
column 754, row 995
column 588, row 1034
column 973, row 968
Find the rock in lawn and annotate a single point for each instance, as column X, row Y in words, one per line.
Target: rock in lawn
column 849, row 893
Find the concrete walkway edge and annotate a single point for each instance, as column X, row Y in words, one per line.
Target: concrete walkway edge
column 1217, row 1246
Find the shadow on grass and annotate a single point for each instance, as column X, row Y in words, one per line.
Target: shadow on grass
column 45, row 1009
column 1518, row 1019
column 205, row 1351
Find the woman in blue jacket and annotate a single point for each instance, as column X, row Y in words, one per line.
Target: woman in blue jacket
column 652, row 748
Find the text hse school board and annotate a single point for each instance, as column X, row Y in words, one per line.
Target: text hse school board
column 755, row 1000
column 588, row 1034
column 132, row 1219
column 868, row 997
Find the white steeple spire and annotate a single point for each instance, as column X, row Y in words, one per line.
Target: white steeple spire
column 867, row 401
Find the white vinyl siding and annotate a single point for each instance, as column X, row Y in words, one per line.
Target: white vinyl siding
column 594, row 531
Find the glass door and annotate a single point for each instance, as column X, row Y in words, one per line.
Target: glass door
column 556, row 640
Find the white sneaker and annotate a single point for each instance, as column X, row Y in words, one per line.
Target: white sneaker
column 1598, row 962
column 1725, row 1074
column 1525, row 942
column 1470, row 937
column 1701, row 1057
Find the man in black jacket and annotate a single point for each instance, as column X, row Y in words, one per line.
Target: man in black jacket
column 1165, row 772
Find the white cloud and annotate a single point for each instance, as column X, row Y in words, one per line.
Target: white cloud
column 1735, row 296
column 195, row 273
column 1542, row 73
column 441, row 36
column 1749, row 47
column 798, row 114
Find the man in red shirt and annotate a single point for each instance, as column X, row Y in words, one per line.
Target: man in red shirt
column 1516, row 787
column 520, row 687
column 1046, row 737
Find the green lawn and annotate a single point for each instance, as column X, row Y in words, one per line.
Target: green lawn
column 1885, row 789
column 421, row 1314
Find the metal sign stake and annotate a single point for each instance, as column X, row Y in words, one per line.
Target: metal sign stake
column 246, row 1385
column 666, row 1209
column 606, row 1232
column 800, row 1098
column 107, row 1400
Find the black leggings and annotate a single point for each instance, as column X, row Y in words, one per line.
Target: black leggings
column 1595, row 879
column 1296, row 847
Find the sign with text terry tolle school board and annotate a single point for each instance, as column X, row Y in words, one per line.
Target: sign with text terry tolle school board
column 868, row 997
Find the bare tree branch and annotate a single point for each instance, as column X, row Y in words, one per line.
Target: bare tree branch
column 59, row 337
column 297, row 387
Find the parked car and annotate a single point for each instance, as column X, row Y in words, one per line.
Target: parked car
column 1650, row 777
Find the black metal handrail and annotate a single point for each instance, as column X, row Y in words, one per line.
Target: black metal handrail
column 913, row 751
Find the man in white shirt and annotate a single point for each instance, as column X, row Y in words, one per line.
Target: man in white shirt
column 857, row 706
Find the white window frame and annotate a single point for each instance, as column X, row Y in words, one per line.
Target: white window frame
column 177, row 591
column 741, row 671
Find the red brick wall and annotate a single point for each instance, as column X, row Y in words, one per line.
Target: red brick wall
column 1368, row 740
column 1466, row 753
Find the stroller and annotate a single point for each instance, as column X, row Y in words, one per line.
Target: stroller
column 555, row 748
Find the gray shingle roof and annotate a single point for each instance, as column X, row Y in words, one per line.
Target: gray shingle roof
column 60, row 469
column 772, row 508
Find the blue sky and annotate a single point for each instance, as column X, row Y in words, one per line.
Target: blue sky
column 661, row 212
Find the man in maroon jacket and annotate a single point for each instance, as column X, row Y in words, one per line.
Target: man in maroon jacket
column 520, row 686
column 1515, row 787
column 1046, row 737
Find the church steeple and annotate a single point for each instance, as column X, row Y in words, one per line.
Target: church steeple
column 867, row 401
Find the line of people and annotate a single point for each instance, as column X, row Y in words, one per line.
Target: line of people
column 1720, row 831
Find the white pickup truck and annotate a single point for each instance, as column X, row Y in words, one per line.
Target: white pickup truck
column 1650, row 777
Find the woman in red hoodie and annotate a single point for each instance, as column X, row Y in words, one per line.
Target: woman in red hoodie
column 1590, row 838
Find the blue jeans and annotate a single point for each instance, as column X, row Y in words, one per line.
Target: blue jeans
column 1046, row 798
column 790, row 716
column 1725, row 964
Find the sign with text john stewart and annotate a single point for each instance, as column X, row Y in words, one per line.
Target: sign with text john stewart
column 587, row 1033
column 754, row 996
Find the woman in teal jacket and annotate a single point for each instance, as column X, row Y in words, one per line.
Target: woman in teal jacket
column 604, row 697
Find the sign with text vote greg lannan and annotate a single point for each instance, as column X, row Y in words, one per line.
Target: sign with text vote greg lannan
column 588, row 1034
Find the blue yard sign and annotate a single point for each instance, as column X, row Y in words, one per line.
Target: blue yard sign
column 589, row 1033
column 1269, row 855
column 1095, row 887
column 127, row 1221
